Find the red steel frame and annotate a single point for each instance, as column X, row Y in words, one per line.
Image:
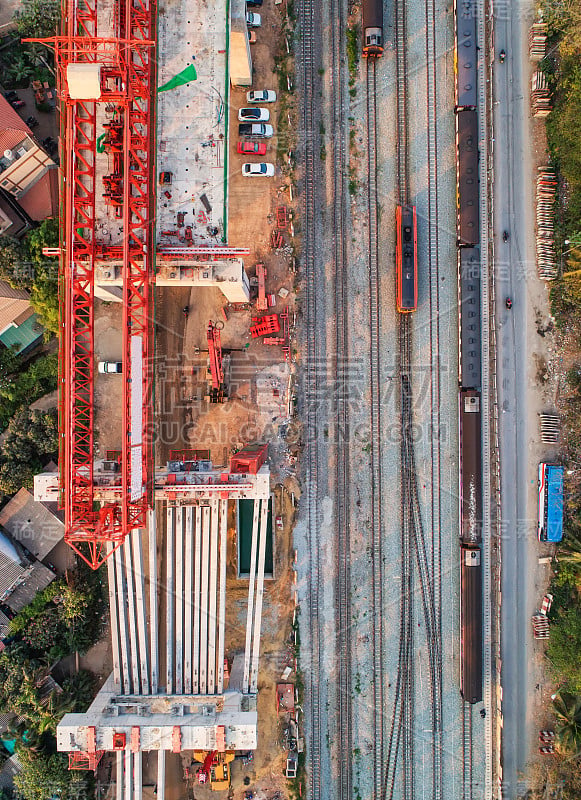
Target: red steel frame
column 128, row 77
column 215, row 353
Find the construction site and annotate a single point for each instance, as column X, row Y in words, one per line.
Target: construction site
column 176, row 471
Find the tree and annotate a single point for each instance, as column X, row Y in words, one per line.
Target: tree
column 38, row 18
column 568, row 711
column 44, row 777
column 564, row 647
column 31, row 439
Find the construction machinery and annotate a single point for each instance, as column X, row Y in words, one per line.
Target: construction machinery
column 216, row 363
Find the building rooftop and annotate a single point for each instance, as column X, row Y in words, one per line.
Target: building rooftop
column 13, row 129
column 32, row 524
column 41, row 199
column 192, row 123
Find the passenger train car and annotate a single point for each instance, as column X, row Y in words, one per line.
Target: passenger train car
column 372, row 28
column 467, row 181
column 466, row 54
column 406, row 259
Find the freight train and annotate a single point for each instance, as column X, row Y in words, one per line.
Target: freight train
column 470, row 361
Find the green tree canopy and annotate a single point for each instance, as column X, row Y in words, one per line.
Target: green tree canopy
column 38, row 18
column 31, row 440
column 46, row 777
column 568, row 712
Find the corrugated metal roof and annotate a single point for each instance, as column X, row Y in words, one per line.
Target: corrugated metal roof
column 37, row 579
column 10, row 573
column 24, row 335
column 32, row 524
column 10, row 768
column 10, row 292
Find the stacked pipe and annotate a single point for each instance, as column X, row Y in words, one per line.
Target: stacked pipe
column 540, row 97
column 546, row 190
column 550, row 428
column 538, row 41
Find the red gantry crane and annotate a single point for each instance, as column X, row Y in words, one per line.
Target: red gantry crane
column 118, row 73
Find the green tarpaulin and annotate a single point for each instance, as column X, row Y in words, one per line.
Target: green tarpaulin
column 185, row 76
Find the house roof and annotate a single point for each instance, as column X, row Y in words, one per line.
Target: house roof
column 13, row 128
column 10, row 292
column 13, row 305
column 32, row 524
column 24, row 334
column 41, row 199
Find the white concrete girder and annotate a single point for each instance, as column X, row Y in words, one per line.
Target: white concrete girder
column 222, row 594
column 153, row 602
column 179, row 599
column 169, row 595
column 188, row 595
column 259, row 595
column 137, row 547
column 212, row 621
column 250, row 610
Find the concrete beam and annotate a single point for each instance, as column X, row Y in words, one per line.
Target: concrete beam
column 130, row 583
column 212, row 621
column 119, row 781
column 128, row 770
column 169, row 597
column 153, row 603
column 259, row 596
column 141, row 611
column 222, row 594
column 204, row 600
column 250, row 609
column 188, row 596
column 161, row 775
column 121, row 601
column 179, row 600
column 137, row 775
column 114, row 617
column 196, row 600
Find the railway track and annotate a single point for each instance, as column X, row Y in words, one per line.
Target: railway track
column 467, row 751
column 434, row 301
column 420, row 565
column 341, row 375
column 308, row 66
column 375, row 429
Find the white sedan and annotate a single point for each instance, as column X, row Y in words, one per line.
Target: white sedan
column 253, row 19
column 253, row 115
column 264, row 169
column 261, row 96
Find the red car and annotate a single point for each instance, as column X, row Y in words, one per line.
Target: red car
column 252, row 148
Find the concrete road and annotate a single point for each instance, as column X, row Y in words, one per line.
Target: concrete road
column 515, row 270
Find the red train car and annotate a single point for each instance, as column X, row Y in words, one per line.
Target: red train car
column 406, row 259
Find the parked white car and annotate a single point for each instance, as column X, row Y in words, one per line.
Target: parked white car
column 253, row 19
column 264, row 169
column 110, row 367
column 253, row 115
column 261, row 96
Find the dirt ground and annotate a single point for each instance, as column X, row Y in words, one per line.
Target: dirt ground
column 546, row 353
